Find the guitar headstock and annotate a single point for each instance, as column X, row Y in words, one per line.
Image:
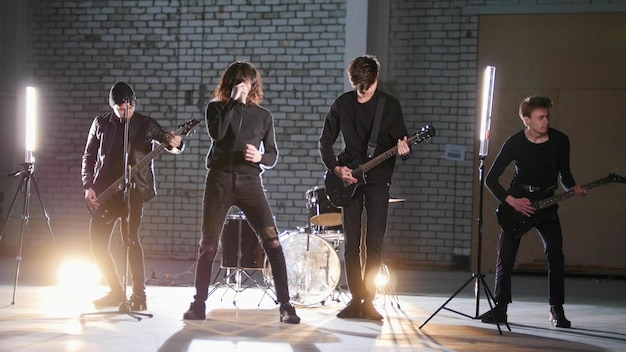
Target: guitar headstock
column 185, row 128
column 614, row 177
column 424, row 135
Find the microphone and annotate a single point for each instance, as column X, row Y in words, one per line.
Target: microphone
column 130, row 100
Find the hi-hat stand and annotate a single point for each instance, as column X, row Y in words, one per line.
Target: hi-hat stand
column 340, row 294
column 235, row 278
column 387, row 289
column 478, row 277
column 28, row 174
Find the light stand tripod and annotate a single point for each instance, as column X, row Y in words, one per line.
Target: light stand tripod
column 27, row 173
column 478, row 277
column 124, row 307
column 489, row 79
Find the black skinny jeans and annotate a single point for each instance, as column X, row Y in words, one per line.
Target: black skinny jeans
column 223, row 190
column 100, row 232
column 375, row 199
column 552, row 237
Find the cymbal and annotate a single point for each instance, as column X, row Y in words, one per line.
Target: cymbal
column 328, row 219
column 396, row 200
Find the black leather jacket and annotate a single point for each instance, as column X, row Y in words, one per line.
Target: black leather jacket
column 96, row 158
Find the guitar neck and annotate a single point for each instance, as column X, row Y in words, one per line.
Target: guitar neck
column 364, row 168
column 550, row 201
column 118, row 185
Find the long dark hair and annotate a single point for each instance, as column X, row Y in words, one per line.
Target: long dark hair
column 236, row 73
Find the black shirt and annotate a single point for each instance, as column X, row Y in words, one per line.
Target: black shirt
column 353, row 121
column 536, row 164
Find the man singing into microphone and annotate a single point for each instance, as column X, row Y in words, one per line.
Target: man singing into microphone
column 243, row 146
column 103, row 164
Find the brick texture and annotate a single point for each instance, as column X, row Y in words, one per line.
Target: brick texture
column 173, row 52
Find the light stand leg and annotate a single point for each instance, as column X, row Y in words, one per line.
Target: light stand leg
column 25, row 216
column 27, row 174
column 6, row 218
column 478, row 277
column 45, row 213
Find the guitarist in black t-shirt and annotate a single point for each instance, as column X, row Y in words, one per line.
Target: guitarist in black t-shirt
column 352, row 115
column 541, row 156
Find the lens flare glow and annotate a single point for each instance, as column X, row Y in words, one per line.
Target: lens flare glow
column 78, row 272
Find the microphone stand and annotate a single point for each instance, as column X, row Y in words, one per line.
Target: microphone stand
column 124, row 307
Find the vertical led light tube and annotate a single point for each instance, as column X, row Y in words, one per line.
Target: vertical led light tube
column 31, row 123
column 489, row 81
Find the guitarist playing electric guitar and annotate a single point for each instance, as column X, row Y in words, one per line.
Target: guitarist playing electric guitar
column 541, row 156
column 352, row 115
column 102, row 165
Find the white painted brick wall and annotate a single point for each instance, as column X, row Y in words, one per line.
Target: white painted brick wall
column 173, row 52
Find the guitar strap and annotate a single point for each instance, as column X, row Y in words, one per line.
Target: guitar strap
column 371, row 146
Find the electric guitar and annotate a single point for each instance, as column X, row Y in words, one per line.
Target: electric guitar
column 515, row 224
column 111, row 194
column 341, row 194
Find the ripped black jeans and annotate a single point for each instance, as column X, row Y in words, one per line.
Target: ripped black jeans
column 222, row 191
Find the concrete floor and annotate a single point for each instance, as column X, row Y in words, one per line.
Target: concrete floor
column 46, row 316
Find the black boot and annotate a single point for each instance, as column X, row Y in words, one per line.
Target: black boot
column 369, row 312
column 352, row 310
column 557, row 317
column 288, row 314
column 496, row 315
column 196, row 311
column 111, row 299
column 137, row 302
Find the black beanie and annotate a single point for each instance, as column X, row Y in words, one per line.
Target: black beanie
column 122, row 92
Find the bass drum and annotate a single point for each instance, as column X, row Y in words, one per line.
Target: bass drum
column 252, row 253
column 313, row 267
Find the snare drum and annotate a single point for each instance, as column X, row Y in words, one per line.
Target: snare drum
column 313, row 267
column 321, row 210
column 252, row 253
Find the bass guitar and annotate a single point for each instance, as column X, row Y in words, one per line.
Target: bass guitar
column 515, row 224
column 111, row 194
column 340, row 193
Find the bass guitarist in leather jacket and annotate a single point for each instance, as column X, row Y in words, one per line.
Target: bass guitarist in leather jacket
column 103, row 164
column 541, row 156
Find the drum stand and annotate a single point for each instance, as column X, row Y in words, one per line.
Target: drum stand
column 340, row 291
column 387, row 289
column 337, row 294
column 237, row 274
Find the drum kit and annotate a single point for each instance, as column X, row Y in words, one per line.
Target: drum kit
column 312, row 253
